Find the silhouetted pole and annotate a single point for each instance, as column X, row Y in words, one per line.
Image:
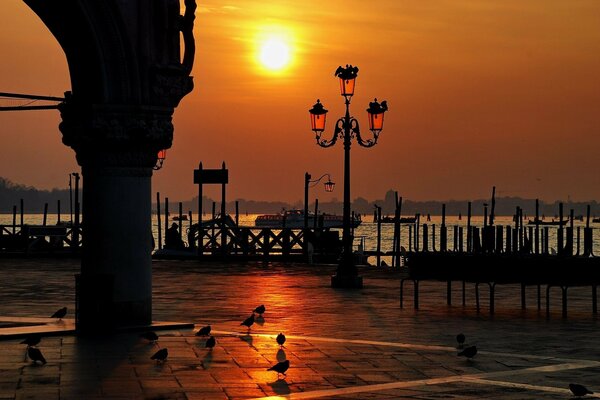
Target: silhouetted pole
column 14, row 220
column 315, row 218
column 22, row 212
column 237, row 213
column 71, row 199
column 77, row 208
column 537, row 226
column 378, row 236
column 493, row 209
column 200, row 213
column 166, row 218
column 306, row 182
column 45, row 219
column 158, row 218
column 180, row 220
column 223, row 214
column 469, row 235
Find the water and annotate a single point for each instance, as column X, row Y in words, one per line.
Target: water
column 367, row 230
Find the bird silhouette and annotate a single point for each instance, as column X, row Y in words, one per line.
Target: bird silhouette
column 149, row 336
column 280, row 368
column 248, row 322
column 579, row 390
column 32, row 340
column 469, row 352
column 260, row 309
column 210, row 342
column 161, row 355
column 280, row 339
column 35, row 355
column 204, row 331
column 460, row 339
column 60, row 314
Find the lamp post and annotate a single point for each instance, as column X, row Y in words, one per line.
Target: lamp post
column 162, row 154
column 329, row 186
column 347, row 128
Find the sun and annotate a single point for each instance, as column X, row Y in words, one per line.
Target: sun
column 274, row 53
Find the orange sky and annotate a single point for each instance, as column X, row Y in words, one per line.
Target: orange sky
column 480, row 94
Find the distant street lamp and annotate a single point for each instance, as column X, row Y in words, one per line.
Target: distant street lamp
column 347, row 128
column 329, row 186
column 162, row 154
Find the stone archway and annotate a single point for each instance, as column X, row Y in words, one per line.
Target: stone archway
column 127, row 77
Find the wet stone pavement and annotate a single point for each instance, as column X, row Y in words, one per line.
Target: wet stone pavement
column 341, row 344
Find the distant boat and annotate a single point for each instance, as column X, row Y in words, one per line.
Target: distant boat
column 553, row 222
column 295, row 219
column 178, row 218
column 596, row 220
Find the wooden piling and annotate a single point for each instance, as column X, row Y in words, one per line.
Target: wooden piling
column 237, row 213
column 443, row 231
column 315, row 219
column 45, row 218
column 425, row 238
column 180, row 220
column 158, row 217
column 58, row 212
column 469, row 247
column 14, row 220
column 537, row 227
column 560, row 232
column 378, row 236
column 22, row 212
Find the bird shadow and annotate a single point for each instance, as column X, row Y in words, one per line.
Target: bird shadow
column 247, row 338
column 260, row 320
column 280, row 386
column 281, row 356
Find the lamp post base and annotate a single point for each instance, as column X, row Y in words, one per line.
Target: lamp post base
column 346, row 282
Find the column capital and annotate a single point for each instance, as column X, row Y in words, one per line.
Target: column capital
column 116, row 136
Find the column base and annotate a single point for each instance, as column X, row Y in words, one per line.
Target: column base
column 346, row 282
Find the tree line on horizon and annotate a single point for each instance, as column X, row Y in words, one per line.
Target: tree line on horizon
column 34, row 200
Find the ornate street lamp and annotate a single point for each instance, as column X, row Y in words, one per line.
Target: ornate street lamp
column 329, row 186
column 162, row 154
column 347, row 128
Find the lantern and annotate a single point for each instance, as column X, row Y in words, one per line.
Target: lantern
column 347, row 78
column 329, row 185
column 162, row 154
column 317, row 117
column 376, row 112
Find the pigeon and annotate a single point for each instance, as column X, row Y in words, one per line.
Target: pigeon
column 204, row 331
column 60, row 314
column 32, row 340
column 460, row 338
column 579, row 390
column 280, row 339
column 210, row 342
column 469, row 352
column 35, row 355
column 280, row 367
column 248, row 322
column 161, row 355
column 260, row 309
column 149, row 336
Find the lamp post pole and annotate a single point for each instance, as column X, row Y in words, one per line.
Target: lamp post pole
column 347, row 128
column 306, row 182
column 329, row 186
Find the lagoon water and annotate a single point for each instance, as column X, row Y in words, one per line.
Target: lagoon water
column 366, row 232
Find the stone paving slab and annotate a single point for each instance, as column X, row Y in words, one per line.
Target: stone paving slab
column 341, row 344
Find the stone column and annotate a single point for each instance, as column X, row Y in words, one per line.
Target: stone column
column 127, row 77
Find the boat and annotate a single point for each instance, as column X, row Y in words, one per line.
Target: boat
column 552, row 222
column 180, row 218
column 295, row 219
